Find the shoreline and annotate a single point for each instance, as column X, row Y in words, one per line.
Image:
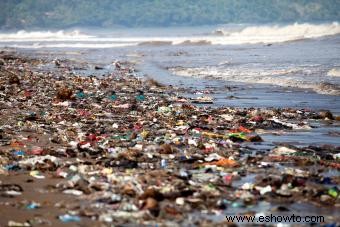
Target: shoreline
column 225, row 93
column 71, row 146
column 245, row 95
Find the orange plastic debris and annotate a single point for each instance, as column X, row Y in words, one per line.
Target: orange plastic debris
column 240, row 129
column 16, row 144
column 224, row 162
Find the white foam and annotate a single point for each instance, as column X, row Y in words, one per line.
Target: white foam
column 334, row 72
column 276, row 33
column 43, row 36
column 286, row 77
column 247, row 35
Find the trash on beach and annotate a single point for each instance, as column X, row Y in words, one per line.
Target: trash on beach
column 37, row 174
column 32, row 206
column 118, row 148
column 18, row 224
column 69, row 218
column 203, row 100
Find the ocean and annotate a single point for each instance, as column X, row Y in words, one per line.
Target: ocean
column 273, row 65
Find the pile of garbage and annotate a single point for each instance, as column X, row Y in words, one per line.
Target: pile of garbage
column 118, row 149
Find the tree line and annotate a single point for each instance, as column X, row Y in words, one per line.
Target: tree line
column 143, row 13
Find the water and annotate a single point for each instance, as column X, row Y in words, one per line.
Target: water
column 292, row 65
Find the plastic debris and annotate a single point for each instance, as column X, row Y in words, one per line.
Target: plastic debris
column 18, row 224
column 203, row 100
column 69, row 218
column 113, row 96
column 224, row 162
column 73, row 192
column 283, row 151
column 140, row 97
column 334, row 192
column 32, row 206
column 118, row 149
column 19, row 153
column 164, row 163
column 37, row 174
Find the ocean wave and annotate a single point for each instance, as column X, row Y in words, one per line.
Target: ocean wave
column 285, row 77
column 44, row 36
column 334, row 72
column 276, row 33
column 224, row 36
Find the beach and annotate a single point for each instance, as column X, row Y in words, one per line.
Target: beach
column 123, row 147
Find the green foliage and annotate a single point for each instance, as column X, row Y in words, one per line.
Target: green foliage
column 134, row 13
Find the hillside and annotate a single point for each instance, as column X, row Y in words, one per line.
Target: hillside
column 20, row 14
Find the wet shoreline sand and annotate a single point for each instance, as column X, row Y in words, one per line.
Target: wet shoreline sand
column 70, row 146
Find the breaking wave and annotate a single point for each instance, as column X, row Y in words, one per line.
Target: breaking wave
column 276, row 33
column 334, row 72
column 298, row 77
column 228, row 35
column 44, row 36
